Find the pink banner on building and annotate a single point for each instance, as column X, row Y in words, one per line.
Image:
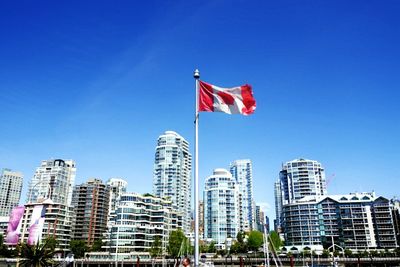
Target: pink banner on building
column 14, row 225
column 36, row 224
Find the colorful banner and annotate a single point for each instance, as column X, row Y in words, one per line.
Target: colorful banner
column 36, row 224
column 14, row 225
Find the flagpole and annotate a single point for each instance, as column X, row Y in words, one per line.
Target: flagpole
column 196, row 76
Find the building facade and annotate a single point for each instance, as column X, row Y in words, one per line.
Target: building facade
column 396, row 218
column 358, row 221
column 260, row 219
column 57, row 223
column 54, row 179
column 90, row 201
column 172, row 173
column 297, row 179
column 242, row 173
column 117, row 187
column 278, row 206
column 220, row 208
column 10, row 190
column 139, row 220
column 201, row 218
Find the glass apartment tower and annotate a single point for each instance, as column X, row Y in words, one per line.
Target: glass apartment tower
column 54, row 179
column 10, row 190
column 241, row 171
column 220, row 208
column 172, row 174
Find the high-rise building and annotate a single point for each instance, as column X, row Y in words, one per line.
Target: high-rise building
column 278, row 206
column 117, row 188
column 54, row 179
column 300, row 178
column 220, row 208
column 297, row 179
column 10, row 190
column 267, row 224
column 90, row 201
column 139, row 220
column 172, row 173
column 358, row 221
column 260, row 219
column 241, row 171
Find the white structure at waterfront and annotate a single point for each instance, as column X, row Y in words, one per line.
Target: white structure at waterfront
column 172, row 173
column 54, row 179
column 139, row 220
column 358, row 221
column 241, row 171
column 220, row 208
column 10, row 190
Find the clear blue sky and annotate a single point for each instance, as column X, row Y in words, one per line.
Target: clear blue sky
column 98, row 81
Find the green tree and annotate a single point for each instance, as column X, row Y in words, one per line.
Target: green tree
column 78, row 247
column 156, row 248
column 176, row 239
column 203, row 247
column 52, row 242
column 97, row 245
column 239, row 246
column 275, row 241
column 211, row 247
column 255, row 240
column 240, row 237
column 222, row 252
column 374, row 253
column 348, row 253
column 234, row 249
column 4, row 250
column 325, row 253
column 39, row 255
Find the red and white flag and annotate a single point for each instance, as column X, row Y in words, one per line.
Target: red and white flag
column 235, row 100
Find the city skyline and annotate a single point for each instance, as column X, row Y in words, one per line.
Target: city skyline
column 93, row 83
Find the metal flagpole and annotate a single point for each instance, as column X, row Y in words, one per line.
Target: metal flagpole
column 196, row 76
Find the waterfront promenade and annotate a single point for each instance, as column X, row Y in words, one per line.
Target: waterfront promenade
column 234, row 261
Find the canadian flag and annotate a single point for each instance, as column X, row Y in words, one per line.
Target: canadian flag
column 236, row 100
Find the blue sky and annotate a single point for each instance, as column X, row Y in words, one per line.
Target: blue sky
column 98, row 81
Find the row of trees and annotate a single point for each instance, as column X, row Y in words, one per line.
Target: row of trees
column 245, row 242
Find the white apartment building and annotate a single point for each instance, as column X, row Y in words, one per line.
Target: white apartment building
column 172, row 173
column 357, row 221
column 242, row 173
column 220, row 208
column 117, row 188
column 54, row 179
column 10, row 190
column 297, row 179
column 139, row 219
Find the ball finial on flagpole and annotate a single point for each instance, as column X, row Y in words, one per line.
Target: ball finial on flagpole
column 196, row 74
